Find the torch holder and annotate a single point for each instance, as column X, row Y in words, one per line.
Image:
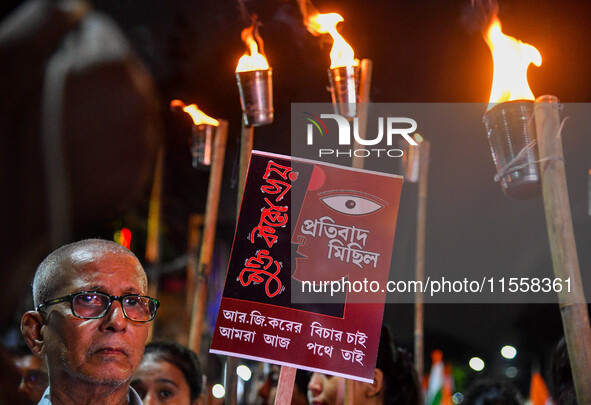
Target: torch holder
column 511, row 130
column 202, row 144
column 410, row 162
column 344, row 89
column 256, row 96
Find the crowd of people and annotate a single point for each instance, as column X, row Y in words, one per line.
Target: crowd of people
column 85, row 339
column 85, row 343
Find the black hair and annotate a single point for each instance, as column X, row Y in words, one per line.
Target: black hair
column 184, row 359
column 401, row 382
column 302, row 379
column 492, row 392
column 562, row 387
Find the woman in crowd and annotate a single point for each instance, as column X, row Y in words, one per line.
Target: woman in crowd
column 168, row 374
column 395, row 381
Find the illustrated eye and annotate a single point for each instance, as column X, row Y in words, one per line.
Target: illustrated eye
column 353, row 204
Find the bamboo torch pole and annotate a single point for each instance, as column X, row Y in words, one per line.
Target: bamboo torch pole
column 194, row 235
column 153, row 236
column 211, row 216
column 287, row 374
column 358, row 162
column 246, row 142
column 573, row 306
column 424, row 148
column 364, row 89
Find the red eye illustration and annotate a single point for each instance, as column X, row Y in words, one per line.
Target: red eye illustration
column 351, row 202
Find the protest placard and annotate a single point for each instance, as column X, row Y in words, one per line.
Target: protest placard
column 311, row 256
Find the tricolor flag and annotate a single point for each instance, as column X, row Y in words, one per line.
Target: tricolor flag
column 538, row 392
column 434, row 394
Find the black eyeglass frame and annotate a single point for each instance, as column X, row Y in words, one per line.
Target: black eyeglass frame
column 70, row 298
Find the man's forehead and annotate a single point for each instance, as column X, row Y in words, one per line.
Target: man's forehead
column 92, row 253
column 95, row 267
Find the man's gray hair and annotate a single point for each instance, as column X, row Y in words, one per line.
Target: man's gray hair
column 47, row 278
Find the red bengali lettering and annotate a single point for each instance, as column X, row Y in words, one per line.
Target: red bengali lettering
column 283, row 171
column 271, row 217
column 275, row 187
column 255, row 271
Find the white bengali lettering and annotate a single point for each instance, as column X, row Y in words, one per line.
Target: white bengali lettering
column 270, row 339
column 320, row 350
column 256, row 318
column 233, row 333
column 316, row 327
column 354, row 356
column 230, row 315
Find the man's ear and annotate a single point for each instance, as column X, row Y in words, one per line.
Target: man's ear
column 31, row 324
column 378, row 384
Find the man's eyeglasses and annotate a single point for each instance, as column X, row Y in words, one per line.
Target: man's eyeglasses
column 93, row 305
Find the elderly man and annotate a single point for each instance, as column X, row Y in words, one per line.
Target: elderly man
column 90, row 322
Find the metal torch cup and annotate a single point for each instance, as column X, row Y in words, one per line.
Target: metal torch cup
column 344, row 89
column 410, row 162
column 202, row 144
column 511, row 128
column 256, row 96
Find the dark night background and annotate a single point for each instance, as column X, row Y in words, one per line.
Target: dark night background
column 422, row 51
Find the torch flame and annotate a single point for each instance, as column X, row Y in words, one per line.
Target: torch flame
column 256, row 60
column 342, row 53
column 511, row 59
column 198, row 116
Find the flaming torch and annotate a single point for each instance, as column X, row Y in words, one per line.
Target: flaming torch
column 202, row 133
column 513, row 127
column 350, row 80
column 344, row 73
column 208, row 149
column 509, row 119
column 255, row 80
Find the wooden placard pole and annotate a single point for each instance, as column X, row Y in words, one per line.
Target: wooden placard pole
column 424, row 148
column 363, row 107
column 153, row 236
column 209, row 228
column 573, row 306
column 285, row 385
column 349, row 392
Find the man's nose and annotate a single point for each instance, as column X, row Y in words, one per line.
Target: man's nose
column 114, row 319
